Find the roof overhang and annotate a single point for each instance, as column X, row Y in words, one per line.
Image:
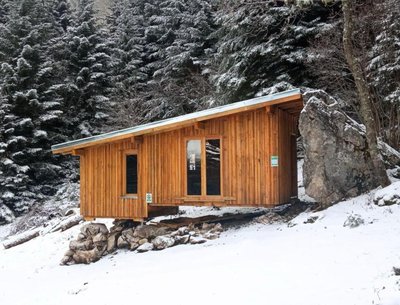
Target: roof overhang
column 290, row 101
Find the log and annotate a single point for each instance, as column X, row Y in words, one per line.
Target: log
column 67, row 223
column 73, row 221
column 21, row 238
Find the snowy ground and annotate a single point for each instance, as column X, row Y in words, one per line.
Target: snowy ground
column 320, row 263
column 299, row 263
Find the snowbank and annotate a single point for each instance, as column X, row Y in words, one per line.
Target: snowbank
column 318, row 262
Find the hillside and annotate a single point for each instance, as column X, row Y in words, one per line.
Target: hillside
column 297, row 263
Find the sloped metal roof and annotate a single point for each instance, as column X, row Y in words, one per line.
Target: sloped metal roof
column 187, row 118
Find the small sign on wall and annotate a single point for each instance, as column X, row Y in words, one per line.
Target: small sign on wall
column 149, row 198
column 274, row 161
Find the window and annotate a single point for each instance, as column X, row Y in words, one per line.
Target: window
column 203, row 180
column 131, row 173
column 193, row 155
column 213, row 166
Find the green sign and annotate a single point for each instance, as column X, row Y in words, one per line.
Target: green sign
column 149, row 198
column 274, row 161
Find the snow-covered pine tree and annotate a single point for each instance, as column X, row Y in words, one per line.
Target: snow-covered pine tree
column 29, row 117
column 179, row 57
column 160, row 55
column 262, row 43
column 126, row 26
column 4, row 11
column 84, row 92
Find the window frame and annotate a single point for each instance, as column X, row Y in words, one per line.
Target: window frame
column 125, row 153
column 203, row 159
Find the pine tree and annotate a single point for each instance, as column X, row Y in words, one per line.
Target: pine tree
column 29, row 117
column 161, row 51
column 4, row 11
column 180, row 78
column 261, row 44
column 84, row 92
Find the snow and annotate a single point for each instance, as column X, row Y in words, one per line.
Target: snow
column 299, row 262
column 319, row 263
column 388, row 195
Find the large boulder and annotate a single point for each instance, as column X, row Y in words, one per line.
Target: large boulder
column 336, row 161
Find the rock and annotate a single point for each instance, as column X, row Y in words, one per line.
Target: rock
column 162, row 242
column 389, row 195
column 390, row 156
column 197, row 240
column 353, row 221
column 206, row 226
column 69, row 253
column 145, row 247
column 217, row 228
column 100, row 239
column 147, row 231
column 92, row 229
column 143, row 241
column 180, row 240
column 133, row 246
column 112, row 241
column 336, row 161
column 81, row 237
column 396, row 271
column 210, row 235
column 127, row 233
column 87, row 257
column 183, row 230
column 396, row 173
column 311, row 219
column 66, row 260
column 269, row 218
column 100, row 242
column 122, row 243
column 81, row 245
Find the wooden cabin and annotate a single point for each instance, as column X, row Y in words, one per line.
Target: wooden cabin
column 241, row 154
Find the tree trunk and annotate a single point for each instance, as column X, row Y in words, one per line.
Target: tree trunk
column 366, row 113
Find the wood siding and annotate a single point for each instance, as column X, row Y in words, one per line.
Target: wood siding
column 248, row 140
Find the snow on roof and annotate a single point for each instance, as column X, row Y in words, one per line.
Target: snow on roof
column 187, row 118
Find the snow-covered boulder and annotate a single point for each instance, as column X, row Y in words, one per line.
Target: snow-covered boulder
column 389, row 195
column 336, row 161
column 145, row 247
column 162, row 242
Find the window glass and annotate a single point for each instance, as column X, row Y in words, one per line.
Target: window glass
column 131, row 174
column 193, row 167
column 213, row 167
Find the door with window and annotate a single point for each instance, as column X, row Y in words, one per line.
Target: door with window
column 203, row 167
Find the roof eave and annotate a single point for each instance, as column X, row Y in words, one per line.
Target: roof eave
column 72, row 146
